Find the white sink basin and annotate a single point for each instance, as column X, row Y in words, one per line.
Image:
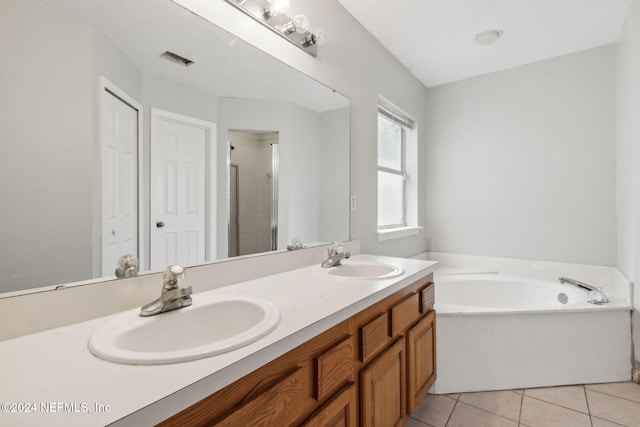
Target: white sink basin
column 214, row 324
column 364, row 270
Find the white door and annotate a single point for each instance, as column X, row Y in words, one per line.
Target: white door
column 119, row 136
column 178, row 189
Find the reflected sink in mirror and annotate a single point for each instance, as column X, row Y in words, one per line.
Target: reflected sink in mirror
column 371, row 270
column 214, row 324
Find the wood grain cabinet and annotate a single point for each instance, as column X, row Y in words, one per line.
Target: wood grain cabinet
column 421, row 362
column 382, row 389
column 370, row 370
column 340, row 411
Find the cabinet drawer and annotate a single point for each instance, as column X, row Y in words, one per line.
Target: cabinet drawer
column 404, row 314
column 277, row 406
column 374, row 336
column 334, row 369
column 427, row 298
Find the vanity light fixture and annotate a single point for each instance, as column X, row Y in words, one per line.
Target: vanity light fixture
column 488, row 37
column 273, row 15
column 275, row 7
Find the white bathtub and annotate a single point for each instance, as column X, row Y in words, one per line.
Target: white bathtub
column 499, row 331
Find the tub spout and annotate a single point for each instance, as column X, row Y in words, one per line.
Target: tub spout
column 596, row 295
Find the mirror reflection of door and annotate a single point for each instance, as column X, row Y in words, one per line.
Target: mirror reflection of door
column 120, row 130
column 253, row 183
column 178, row 189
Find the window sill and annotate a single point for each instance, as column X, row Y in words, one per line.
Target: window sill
column 395, row 233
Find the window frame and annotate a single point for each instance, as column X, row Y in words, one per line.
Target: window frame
column 403, row 123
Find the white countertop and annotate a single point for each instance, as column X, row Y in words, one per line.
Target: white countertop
column 54, row 371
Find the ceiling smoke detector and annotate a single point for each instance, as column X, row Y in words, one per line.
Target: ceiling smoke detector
column 488, row 37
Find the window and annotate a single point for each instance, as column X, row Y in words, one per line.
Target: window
column 397, row 173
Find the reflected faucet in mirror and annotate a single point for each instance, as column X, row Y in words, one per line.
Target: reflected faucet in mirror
column 173, row 296
column 295, row 245
column 128, row 266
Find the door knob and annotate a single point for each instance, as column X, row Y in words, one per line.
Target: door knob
column 159, row 224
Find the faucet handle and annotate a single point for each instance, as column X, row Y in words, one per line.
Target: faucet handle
column 172, row 276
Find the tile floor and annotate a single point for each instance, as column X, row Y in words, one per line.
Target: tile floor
column 597, row 405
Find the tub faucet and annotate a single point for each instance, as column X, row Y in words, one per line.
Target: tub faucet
column 336, row 254
column 596, row 295
column 173, row 296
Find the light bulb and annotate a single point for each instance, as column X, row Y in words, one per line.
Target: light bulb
column 279, row 6
column 300, row 24
column 320, row 36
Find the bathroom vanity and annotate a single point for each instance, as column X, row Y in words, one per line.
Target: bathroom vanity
column 382, row 357
column 344, row 348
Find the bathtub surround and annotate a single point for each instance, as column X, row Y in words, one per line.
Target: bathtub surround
column 488, row 343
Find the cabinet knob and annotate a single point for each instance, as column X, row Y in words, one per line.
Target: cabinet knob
column 159, row 224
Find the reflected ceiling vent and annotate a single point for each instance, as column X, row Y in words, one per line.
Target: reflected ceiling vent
column 170, row 56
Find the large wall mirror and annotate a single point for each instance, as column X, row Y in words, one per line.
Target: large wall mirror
column 117, row 123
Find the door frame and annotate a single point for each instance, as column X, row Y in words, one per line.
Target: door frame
column 105, row 85
column 210, row 175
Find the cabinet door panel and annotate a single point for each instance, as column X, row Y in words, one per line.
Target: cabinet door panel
column 341, row 411
column 383, row 386
column 420, row 360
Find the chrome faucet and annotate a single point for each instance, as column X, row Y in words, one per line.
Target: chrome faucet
column 127, row 266
column 596, row 295
column 173, row 296
column 295, row 245
column 336, row 254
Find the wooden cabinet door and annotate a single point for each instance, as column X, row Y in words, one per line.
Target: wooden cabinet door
column 421, row 372
column 340, row 411
column 383, row 388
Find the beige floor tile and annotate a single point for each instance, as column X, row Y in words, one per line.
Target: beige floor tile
column 598, row 422
column 412, row 422
column 571, row 397
column 503, row 403
column 453, row 396
column 536, row 413
column 434, row 410
column 613, row 409
column 626, row 390
column 469, row 416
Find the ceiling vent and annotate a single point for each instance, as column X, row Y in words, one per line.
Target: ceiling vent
column 170, row 56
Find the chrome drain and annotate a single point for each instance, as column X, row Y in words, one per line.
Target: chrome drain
column 563, row 298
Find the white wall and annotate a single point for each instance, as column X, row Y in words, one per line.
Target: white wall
column 628, row 154
column 356, row 65
column 334, row 195
column 521, row 163
column 40, row 124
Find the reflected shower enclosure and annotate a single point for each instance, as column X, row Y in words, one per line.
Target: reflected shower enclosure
column 253, row 192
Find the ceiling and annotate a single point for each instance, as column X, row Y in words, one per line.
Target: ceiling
column 434, row 39
column 223, row 64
